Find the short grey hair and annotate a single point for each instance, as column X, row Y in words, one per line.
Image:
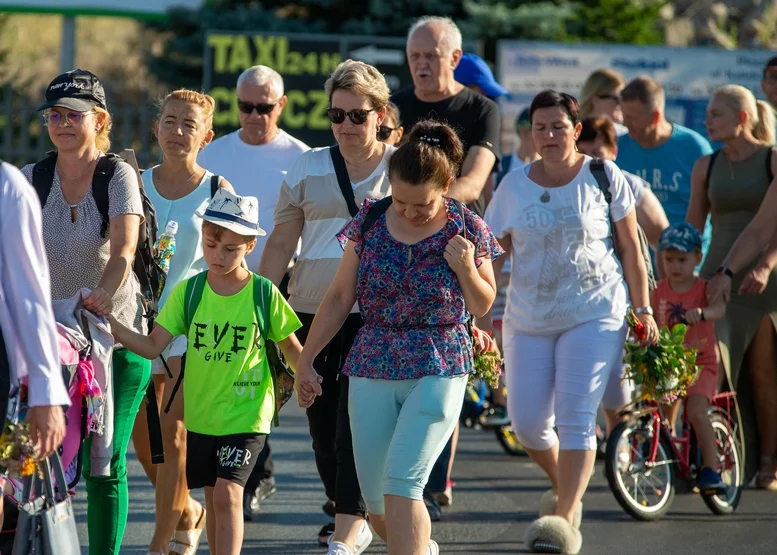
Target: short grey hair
column 451, row 35
column 262, row 75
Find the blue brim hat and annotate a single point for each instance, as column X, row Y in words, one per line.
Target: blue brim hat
column 473, row 70
column 683, row 237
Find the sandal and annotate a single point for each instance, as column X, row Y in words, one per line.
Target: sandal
column 325, row 534
column 553, row 534
column 186, row 542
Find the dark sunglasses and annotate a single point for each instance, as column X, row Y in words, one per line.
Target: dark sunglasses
column 261, row 108
column 384, row 132
column 614, row 97
column 357, row 117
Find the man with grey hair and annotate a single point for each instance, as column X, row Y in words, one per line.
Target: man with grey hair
column 433, row 53
column 255, row 160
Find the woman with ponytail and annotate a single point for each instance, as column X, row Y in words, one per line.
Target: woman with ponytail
column 737, row 186
column 417, row 263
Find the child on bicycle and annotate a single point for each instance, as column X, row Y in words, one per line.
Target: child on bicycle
column 681, row 297
column 229, row 401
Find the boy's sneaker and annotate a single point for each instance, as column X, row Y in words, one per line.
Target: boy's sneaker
column 337, row 548
column 709, row 482
column 265, row 490
column 363, row 540
column 445, row 498
column 433, row 548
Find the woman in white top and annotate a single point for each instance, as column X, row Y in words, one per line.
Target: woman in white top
column 177, row 188
column 563, row 329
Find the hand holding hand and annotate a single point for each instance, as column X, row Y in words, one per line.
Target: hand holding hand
column 693, row 316
column 47, row 428
column 460, row 255
column 718, row 288
column 99, row 302
column 307, row 384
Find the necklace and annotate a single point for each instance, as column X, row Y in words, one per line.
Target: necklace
column 175, row 191
column 79, row 176
column 545, row 196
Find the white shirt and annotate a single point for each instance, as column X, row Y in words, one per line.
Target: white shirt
column 255, row 170
column 565, row 271
column 26, row 317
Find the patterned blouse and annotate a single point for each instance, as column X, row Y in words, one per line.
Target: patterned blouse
column 76, row 252
column 411, row 301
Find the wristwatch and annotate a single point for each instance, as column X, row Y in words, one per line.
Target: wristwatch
column 644, row 310
column 725, row 271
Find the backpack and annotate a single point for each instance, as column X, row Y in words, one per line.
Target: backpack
column 282, row 375
column 599, row 173
column 148, row 273
column 504, row 168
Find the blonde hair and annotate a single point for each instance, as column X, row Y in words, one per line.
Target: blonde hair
column 204, row 101
column 601, row 81
column 646, row 91
column 103, row 139
column 393, row 112
column 360, row 79
column 760, row 115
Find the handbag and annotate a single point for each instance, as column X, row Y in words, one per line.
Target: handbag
column 46, row 524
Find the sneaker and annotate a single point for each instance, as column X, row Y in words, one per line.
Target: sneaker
column 363, row 540
column 709, row 482
column 445, row 498
column 249, row 500
column 435, row 512
column 338, row 548
column 266, row 489
column 433, row 548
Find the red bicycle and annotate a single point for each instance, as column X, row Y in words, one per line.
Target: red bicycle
column 645, row 465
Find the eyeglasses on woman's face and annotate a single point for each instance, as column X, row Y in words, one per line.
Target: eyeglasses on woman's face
column 357, row 117
column 54, row 119
column 384, row 132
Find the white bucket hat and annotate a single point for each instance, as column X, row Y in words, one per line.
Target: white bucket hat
column 238, row 214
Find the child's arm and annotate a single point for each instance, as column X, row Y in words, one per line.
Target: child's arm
column 291, row 348
column 147, row 346
column 715, row 311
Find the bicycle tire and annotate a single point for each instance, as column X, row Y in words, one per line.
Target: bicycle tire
column 623, row 496
column 716, row 503
column 509, row 441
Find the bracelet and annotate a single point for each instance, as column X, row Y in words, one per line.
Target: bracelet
column 725, row 271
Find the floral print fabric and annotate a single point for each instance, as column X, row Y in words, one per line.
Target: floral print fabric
column 411, row 301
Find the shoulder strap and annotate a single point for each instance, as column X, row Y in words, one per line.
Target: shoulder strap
column 713, row 156
column 103, row 174
column 214, row 185
column 195, row 286
column 504, row 167
column 377, row 210
column 262, row 295
column 460, row 208
column 769, row 172
column 343, row 180
column 43, row 176
column 600, row 174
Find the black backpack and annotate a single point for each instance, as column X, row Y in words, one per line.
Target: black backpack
column 148, row 273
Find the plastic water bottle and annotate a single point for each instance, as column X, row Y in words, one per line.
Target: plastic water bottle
column 164, row 249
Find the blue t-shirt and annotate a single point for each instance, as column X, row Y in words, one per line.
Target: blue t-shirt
column 667, row 169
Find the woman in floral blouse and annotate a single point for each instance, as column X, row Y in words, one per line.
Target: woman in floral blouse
column 418, row 267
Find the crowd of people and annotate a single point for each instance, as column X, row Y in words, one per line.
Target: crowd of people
column 367, row 263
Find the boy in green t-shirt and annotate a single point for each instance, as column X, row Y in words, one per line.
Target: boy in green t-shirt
column 229, row 399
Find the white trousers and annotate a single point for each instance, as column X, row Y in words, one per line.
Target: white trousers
column 559, row 379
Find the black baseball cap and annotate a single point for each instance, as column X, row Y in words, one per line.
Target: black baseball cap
column 78, row 90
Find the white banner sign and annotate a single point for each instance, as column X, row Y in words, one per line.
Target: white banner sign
column 118, row 7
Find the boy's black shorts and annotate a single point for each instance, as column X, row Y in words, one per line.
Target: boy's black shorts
column 230, row 457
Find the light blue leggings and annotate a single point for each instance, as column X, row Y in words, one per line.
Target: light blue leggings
column 399, row 429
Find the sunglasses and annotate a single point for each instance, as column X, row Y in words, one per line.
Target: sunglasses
column 614, row 97
column 384, row 132
column 357, row 117
column 54, row 119
column 261, row 108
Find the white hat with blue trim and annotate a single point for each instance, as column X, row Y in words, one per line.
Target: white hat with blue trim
column 233, row 212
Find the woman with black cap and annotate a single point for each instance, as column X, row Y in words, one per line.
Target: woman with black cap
column 90, row 243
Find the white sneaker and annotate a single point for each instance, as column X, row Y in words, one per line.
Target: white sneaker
column 433, row 548
column 338, row 548
column 363, row 541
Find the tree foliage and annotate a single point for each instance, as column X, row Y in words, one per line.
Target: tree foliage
column 178, row 58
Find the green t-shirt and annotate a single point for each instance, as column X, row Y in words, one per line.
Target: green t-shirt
column 227, row 385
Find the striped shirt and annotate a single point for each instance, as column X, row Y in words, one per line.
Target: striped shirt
column 311, row 192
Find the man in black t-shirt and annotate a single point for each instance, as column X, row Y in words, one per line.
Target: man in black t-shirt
column 433, row 52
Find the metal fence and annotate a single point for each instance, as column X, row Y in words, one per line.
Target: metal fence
column 24, row 138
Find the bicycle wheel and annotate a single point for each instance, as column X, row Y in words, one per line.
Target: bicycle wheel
column 509, row 441
column 732, row 470
column 644, row 490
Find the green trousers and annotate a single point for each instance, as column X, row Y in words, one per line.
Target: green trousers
column 107, row 497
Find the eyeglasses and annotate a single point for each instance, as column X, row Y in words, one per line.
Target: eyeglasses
column 54, row 119
column 384, row 132
column 261, row 108
column 357, row 117
column 614, row 97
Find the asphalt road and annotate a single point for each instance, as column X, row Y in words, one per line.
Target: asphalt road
column 495, row 499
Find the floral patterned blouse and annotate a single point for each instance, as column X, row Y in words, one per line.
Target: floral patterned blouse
column 411, row 301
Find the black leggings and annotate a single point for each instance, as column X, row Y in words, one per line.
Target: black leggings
column 5, row 380
column 328, row 419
